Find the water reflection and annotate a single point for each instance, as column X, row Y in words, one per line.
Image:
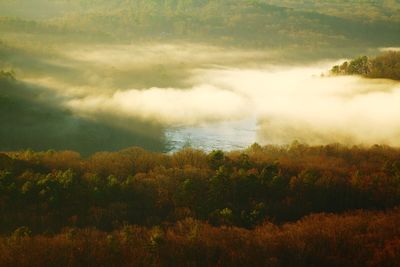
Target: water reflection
column 228, row 135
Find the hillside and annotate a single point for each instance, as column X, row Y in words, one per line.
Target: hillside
column 386, row 65
column 34, row 117
column 255, row 207
column 246, row 23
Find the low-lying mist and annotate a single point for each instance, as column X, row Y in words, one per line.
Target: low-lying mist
column 201, row 87
column 288, row 103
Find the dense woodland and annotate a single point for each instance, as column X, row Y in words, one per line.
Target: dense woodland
column 251, row 23
column 136, row 206
column 353, row 239
column 386, row 65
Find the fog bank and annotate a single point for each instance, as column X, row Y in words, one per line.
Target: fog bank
column 289, row 103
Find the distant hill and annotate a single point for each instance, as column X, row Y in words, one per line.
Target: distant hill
column 256, row 23
column 386, row 66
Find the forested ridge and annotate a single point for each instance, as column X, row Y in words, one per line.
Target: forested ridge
column 386, row 65
column 160, row 209
column 254, row 23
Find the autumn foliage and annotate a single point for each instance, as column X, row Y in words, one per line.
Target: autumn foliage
column 352, row 239
column 386, row 65
column 265, row 206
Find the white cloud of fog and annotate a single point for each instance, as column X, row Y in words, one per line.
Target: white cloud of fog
column 289, row 104
column 385, row 49
column 297, row 104
column 169, row 106
column 139, row 55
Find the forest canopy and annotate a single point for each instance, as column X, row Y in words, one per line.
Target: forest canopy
column 218, row 208
column 256, row 23
column 386, row 65
column 45, row 190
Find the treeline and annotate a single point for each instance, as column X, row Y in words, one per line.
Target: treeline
column 386, row 65
column 356, row 239
column 247, row 23
column 47, row 191
column 256, row 207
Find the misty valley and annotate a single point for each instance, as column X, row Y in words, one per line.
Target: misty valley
column 133, row 132
column 200, row 96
